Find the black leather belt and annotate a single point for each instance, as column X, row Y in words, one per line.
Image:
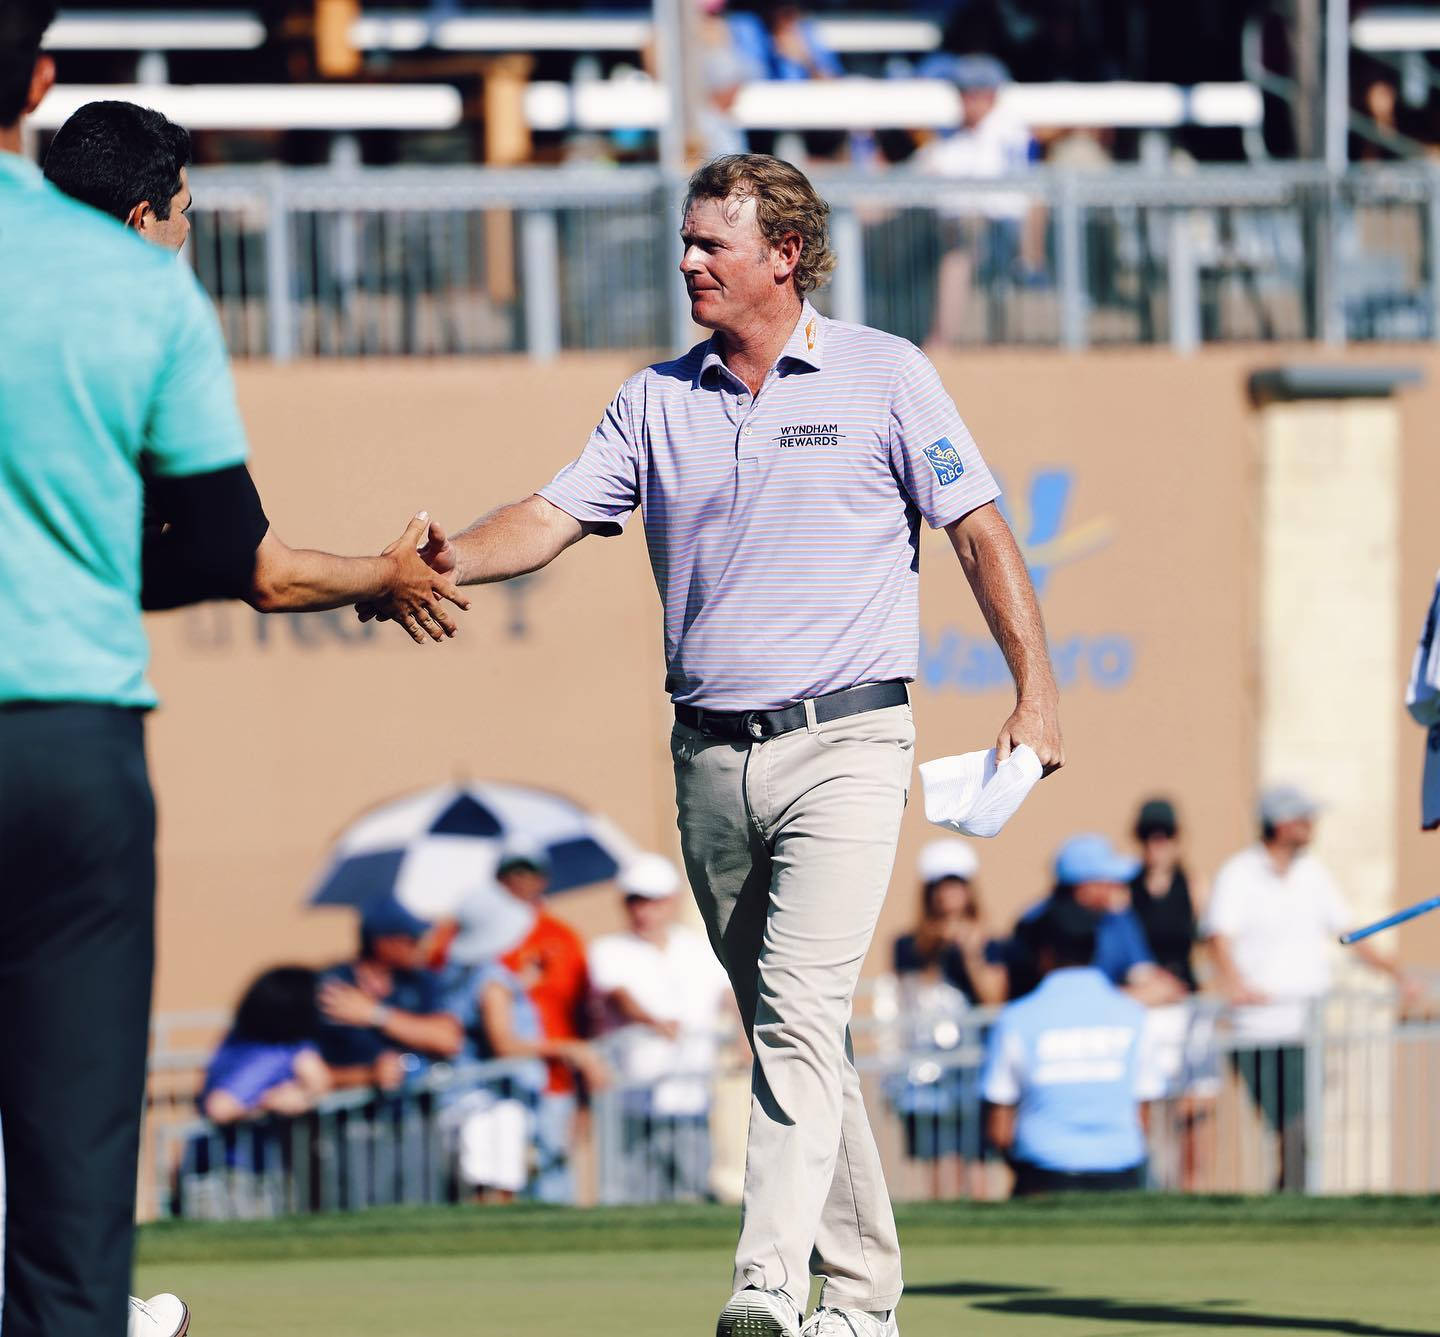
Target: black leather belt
column 760, row 724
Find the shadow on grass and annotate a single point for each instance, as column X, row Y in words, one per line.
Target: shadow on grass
column 1032, row 1300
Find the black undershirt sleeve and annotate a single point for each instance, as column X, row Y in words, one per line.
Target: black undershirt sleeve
column 200, row 536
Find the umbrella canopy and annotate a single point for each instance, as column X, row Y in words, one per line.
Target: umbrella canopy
column 436, row 851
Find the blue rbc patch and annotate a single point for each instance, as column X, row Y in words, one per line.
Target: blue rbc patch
column 945, row 460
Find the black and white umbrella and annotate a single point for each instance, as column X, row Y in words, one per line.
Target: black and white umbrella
column 436, row 853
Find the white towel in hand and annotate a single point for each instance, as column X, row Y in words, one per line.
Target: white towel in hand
column 974, row 796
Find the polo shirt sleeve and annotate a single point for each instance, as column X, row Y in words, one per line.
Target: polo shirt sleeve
column 602, row 487
column 607, row 965
column 1223, row 915
column 1004, row 1066
column 193, row 425
column 931, row 450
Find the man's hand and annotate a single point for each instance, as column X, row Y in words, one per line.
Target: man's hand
column 420, row 558
column 437, row 552
column 389, row 1071
column 1036, row 721
column 346, row 1005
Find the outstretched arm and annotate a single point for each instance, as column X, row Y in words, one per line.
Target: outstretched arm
column 514, row 540
column 509, row 542
column 996, row 570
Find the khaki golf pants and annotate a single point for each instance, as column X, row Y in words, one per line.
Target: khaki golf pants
column 789, row 845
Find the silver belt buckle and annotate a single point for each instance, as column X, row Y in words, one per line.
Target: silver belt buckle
column 753, row 724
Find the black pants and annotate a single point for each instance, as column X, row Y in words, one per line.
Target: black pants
column 1031, row 1179
column 77, row 913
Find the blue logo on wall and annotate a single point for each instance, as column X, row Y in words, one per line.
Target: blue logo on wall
column 959, row 661
column 945, row 460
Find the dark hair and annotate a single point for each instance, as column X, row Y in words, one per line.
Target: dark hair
column 279, row 1008
column 927, row 895
column 22, row 29
column 113, row 155
column 1067, row 931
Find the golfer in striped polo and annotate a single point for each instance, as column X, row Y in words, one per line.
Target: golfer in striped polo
column 783, row 468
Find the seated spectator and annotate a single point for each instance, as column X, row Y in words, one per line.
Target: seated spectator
column 1066, row 1068
column 383, row 1012
column 1089, row 872
column 943, row 971
column 781, row 42
column 550, row 966
column 660, row 992
column 268, row 1063
column 997, row 235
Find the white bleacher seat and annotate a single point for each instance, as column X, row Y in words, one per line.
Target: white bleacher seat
column 902, row 103
column 1397, row 28
column 338, row 107
column 117, row 30
column 849, row 35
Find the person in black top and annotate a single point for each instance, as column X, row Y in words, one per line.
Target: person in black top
column 1160, row 891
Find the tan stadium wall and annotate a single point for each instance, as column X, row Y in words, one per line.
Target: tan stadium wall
column 274, row 732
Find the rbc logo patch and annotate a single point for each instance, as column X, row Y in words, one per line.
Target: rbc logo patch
column 945, row 460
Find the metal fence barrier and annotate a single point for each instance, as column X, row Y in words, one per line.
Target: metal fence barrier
column 350, row 261
column 1348, row 1110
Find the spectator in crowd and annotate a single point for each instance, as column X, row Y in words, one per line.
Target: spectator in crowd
column 950, row 944
column 943, row 971
column 495, row 1124
column 1271, row 923
column 550, row 966
column 1181, row 1035
column 779, row 41
column 1091, row 873
column 994, row 236
column 723, row 71
column 660, row 993
column 269, row 1062
column 1066, row 1068
column 1160, row 892
column 383, row 1013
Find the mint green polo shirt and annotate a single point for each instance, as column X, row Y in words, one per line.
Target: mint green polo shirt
column 111, row 362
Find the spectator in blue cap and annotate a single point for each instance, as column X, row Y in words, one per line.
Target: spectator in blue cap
column 1067, row 1067
column 383, row 1013
column 1092, row 874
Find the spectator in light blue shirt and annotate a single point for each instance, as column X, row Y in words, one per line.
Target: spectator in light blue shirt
column 1090, row 873
column 1067, row 1068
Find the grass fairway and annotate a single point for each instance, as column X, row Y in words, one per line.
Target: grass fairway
column 1368, row 1267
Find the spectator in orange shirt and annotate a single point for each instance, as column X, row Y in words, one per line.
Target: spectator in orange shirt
column 550, row 965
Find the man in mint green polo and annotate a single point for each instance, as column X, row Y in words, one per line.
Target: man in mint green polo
column 112, row 373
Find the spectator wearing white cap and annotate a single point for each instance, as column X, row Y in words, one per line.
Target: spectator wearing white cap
column 659, row 992
column 1271, row 924
column 949, row 943
column 943, row 973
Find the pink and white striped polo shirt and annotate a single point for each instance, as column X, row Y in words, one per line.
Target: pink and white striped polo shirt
column 783, row 527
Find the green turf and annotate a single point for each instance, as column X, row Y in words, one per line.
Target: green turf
column 1369, row 1268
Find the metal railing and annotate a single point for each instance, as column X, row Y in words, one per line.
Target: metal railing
column 1347, row 1109
column 349, row 261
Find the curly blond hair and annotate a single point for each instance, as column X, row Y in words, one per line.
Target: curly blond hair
column 785, row 201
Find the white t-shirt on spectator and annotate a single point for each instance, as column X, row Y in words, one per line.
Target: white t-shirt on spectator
column 1281, row 929
column 680, row 982
column 998, row 146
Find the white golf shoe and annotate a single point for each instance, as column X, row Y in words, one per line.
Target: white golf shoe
column 160, row 1316
column 828, row 1322
column 752, row 1313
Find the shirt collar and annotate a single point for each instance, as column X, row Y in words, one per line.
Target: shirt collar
column 805, row 345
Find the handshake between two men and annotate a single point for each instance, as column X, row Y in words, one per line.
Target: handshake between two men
column 422, row 559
